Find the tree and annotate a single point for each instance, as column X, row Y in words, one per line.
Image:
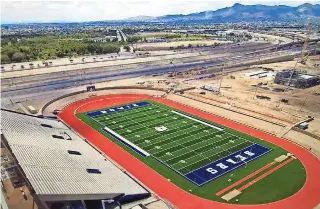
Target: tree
column 5, row 59
column 18, row 57
column 9, row 50
column 127, row 48
column 47, row 47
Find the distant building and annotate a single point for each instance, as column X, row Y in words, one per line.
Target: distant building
column 210, row 88
column 296, row 79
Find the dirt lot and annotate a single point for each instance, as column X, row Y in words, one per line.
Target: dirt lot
column 239, row 90
column 312, row 66
column 165, row 45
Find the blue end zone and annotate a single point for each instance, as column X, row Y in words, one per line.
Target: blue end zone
column 224, row 165
column 117, row 109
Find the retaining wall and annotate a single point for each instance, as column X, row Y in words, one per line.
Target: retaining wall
column 99, row 89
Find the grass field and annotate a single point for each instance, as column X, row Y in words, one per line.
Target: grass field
column 177, row 144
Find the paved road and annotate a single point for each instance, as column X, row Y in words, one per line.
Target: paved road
column 117, row 74
column 124, row 72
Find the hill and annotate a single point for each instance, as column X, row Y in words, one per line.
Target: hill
column 240, row 12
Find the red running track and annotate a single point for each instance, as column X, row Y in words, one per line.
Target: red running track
column 249, row 184
column 307, row 198
column 228, row 188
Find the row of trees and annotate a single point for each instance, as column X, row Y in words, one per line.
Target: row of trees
column 137, row 38
column 182, row 46
column 42, row 48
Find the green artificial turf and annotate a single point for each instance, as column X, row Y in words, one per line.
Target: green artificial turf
column 180, row 145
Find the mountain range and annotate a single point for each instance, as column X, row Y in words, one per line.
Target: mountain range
column 240, row 12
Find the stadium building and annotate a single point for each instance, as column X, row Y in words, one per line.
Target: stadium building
column 61, row 169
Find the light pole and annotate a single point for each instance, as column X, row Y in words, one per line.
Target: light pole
column 224, row 64
column 174, row 68
column 255, row 93
column 303, row 103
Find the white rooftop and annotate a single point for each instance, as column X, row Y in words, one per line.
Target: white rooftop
column 306, row 76
column 49, row 167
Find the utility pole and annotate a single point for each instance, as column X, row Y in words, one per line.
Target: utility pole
column 304, row 50
column 306, row 42
column 303, row 103
column 224, row 64
column 255, row 93
column 174, row 67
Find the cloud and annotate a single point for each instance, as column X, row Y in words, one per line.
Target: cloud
column 48, row 11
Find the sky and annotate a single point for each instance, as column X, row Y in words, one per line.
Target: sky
column 79, row 11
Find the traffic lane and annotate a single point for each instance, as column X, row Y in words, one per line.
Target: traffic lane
column 125, row 74
column 129, row 72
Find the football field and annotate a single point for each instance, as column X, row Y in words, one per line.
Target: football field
column 196, row 154
column 198, row 150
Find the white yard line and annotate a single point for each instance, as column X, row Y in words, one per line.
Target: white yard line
column 211, row 156
column 199, row 148
column 193, row 135
column 192, row 139
column 199, row 121
column 122, row 138
column 170, row 139
column 131, row 127
column 132, row 112
column 162, row 121
column 126, row 141
column 153, row 130
column 156, row 133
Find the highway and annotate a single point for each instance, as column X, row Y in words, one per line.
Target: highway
column 49, row 82
column 116, row 74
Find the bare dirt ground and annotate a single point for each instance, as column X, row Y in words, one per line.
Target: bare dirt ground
column 311, row 66
column 165, row 45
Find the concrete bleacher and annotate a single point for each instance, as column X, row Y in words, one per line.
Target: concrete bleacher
column 56, row 174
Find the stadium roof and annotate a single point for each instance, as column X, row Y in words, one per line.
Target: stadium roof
column 53, row 169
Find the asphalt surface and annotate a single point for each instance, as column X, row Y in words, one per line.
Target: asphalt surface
column 67, row 81
column 114, row 75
